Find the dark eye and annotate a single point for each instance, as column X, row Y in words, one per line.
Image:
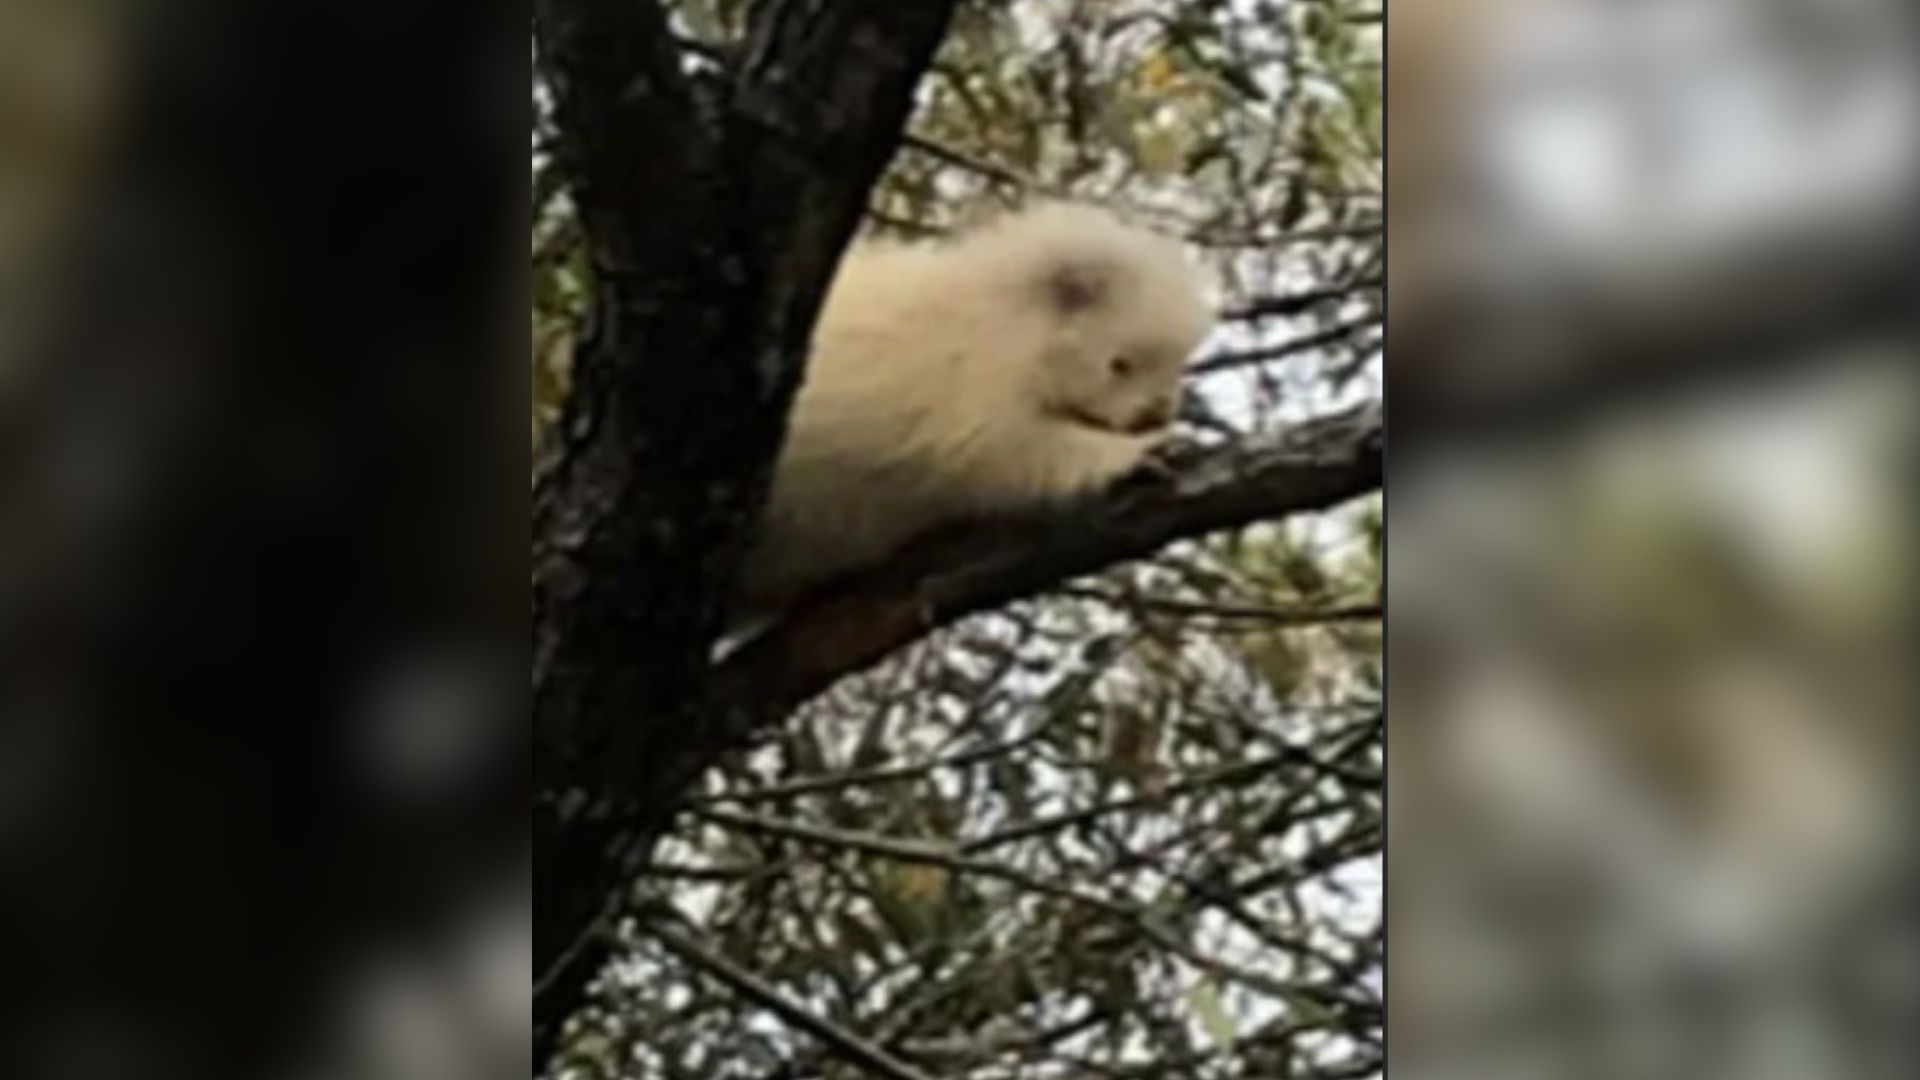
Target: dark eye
column 1120, row 366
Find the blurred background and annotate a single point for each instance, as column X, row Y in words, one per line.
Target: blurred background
column 262, row 763
column 1652, row 555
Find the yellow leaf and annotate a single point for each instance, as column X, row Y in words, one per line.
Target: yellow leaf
column 1158, row 72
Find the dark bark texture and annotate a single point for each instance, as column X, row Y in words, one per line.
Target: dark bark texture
column 716, row 208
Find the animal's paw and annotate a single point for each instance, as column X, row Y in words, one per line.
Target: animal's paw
column 1158, row 467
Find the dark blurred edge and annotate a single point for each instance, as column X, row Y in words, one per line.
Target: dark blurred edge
column 1485, row 373
column 265, row 452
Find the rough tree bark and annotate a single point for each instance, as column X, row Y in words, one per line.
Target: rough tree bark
column 716, row 208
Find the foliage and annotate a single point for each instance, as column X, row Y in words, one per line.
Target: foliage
column 1133, row 828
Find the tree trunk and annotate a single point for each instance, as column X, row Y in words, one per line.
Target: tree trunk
column 716, row 209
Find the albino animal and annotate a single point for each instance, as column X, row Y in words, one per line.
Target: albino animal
column 1034, row 358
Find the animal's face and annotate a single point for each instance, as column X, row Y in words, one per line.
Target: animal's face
column 1119, row 345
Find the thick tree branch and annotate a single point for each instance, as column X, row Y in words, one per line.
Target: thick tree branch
column 629, row 128
column 980, row 567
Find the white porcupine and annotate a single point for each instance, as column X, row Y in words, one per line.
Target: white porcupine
column 1036, row 357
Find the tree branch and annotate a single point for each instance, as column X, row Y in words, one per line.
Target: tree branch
column 1257, row 618
column 868, row 778
column 842, row 1043
column 1313, row 342
column 947, row 155
column 856, row 622
column 1151, row 925
column 975, row 568
column 1274, row 307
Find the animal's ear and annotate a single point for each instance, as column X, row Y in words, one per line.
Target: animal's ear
column 1074, row 287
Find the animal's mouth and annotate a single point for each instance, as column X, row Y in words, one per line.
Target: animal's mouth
column 1074, row 414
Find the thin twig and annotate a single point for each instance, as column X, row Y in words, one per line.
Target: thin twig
column 1246, row 358
column 1273, row 307
column 948, row 155
column 946, row 857
column 844, row 1044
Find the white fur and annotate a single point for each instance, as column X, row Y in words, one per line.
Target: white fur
column 959, row 379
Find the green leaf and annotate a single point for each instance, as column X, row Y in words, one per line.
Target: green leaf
column 1210, row 1009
